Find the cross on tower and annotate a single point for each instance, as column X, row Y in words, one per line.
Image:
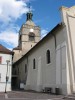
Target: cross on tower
column 29, row 14
column 29, row 7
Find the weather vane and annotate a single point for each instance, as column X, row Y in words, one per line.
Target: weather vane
column 29, row 7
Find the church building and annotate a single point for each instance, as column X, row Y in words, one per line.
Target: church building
column 49, row 62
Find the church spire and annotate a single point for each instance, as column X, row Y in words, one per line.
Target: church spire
column 29, row 14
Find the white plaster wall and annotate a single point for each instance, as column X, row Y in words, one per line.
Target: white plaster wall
column 40, row 77
column 45, row 74
column 72, row 32
column 48, row 71
column 2, row 87
column 48, row 75
column 3, row 70
column 68, row 17
column 61, row 72
column 58, row 64
column 39, row 80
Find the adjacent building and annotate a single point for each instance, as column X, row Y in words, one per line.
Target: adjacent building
column 5, row 69
column 51, row 62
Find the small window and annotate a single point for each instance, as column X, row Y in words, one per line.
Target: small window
column 48, row 57
column 0, row 59
column 33, row 63
column 25, row 68
column 31, row 36
column 20, row 37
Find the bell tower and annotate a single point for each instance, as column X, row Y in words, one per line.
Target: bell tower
column 29, row 34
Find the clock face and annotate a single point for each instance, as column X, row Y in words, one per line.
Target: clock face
column 31, row 30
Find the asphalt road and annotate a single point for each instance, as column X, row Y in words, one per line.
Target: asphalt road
column 18, row 95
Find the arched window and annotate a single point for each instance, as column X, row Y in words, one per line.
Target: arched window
column 31, row 36
column 48, row 57
column 34, row 64
column 25, row 68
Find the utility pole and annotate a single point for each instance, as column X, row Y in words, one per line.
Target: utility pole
column 7, row 75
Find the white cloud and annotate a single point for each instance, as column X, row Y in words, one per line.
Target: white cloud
column 11, row 10
column 9, row 37
column 43, row 33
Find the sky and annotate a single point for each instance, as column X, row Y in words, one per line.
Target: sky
column 46, row 14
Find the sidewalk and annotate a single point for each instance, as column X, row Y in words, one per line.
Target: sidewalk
column 21, row 95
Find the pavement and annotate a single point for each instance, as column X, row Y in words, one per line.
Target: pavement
column 23, row 95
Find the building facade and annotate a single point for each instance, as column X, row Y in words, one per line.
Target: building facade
column 5, row 69
column 51, row 62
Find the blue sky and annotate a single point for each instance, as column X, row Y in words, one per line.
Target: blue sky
column 46, row 14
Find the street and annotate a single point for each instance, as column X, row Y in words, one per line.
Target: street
column 21, row 95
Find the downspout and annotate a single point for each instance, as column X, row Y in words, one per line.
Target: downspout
column 27, row 70
column 12, row 69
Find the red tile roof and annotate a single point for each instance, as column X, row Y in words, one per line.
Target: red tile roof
column 5, row 50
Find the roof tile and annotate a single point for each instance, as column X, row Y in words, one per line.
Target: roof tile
column 5, row 50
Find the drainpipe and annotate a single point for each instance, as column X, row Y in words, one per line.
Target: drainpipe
column 27, row 68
